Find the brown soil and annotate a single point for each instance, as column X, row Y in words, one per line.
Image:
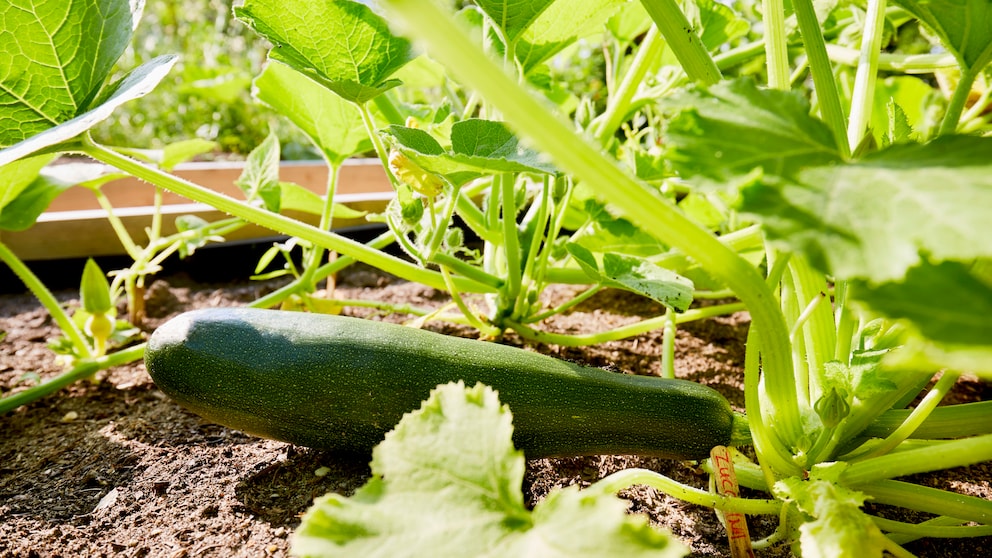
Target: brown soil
column 117, row 469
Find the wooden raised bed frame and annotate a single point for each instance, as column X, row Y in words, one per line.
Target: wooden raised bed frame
column 76, row 226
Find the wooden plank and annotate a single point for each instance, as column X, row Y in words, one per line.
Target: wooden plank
column 356, row 176
column 75, row 226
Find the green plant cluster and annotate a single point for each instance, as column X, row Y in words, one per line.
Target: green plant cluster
column 825, row 165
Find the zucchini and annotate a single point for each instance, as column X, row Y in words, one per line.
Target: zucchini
column 340, row 383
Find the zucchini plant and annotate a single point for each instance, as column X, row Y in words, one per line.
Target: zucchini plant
column 785, row 157
column 864, row 216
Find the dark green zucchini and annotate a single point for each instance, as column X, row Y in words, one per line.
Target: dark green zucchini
column 341, row 383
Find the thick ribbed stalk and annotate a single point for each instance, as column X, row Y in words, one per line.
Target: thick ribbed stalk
column 450, row 46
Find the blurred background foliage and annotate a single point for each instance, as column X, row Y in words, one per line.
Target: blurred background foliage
column 208, row 94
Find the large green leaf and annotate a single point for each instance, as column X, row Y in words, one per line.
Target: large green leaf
column 137, row 84
column 343, row 45
column 872, row 219
column 55, row 56
column 513, row 17
column 447, row 484
column 964, row 27
column 560, row 25
column 735, row 126
column 333, row 124
column 945, row 302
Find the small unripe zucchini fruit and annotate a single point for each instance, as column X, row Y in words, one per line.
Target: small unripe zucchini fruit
column 340, row 383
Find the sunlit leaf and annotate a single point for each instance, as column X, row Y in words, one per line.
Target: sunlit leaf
column 718, row 21
column 560, row 25
column 24, row 210
column 56, row 56
column 837, row 527
column 447, row 483
column 964, row 27
column 259, row 179
column 49, row 183
column 182, row 151
column 629, row 23
column 198, row 225
column 15, row 177
column 513, row 17
column 332, row 124
column 606, row 232
column 635, row 274
column 298, row 198
column 343, row 45
column 873, row 218
column 477, row 147
column 911, row 96
column 945, row 302
column 137, row 84
column 735, row 127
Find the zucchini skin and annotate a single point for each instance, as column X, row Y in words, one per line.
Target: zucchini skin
column 340, row 383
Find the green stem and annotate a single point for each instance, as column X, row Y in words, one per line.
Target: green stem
column 863, row 98
column 47, row 299
column 277, row 222
column 473, row 217
column 326, row 222
column 451, row 47
column 623, row 332
column 738, row 55
column 668, row 344
column 83, row 369
column 956, row 453
column 385, row 306
column 776, row 44
column 924, row 529
column 380, row 149
column 915, row 418
column 846, row 324
column 958, row 101
column 683, row 40
column 929, row 500
column 891, row 62
column 473, row 319
column 823, row 75
column 384, row 102
column 629, row 477
column 920, row 530
column 156, row 228
column 532, row 278
column 948, row 421
column 439, row 229
column 511, row 240
column 468, row 270
column 341, row 262
column 648, row 54
column 819, row 334
column 864, row 412
column 557, row 211
column 574, row 301
column 115, row 223
column 771, row 453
